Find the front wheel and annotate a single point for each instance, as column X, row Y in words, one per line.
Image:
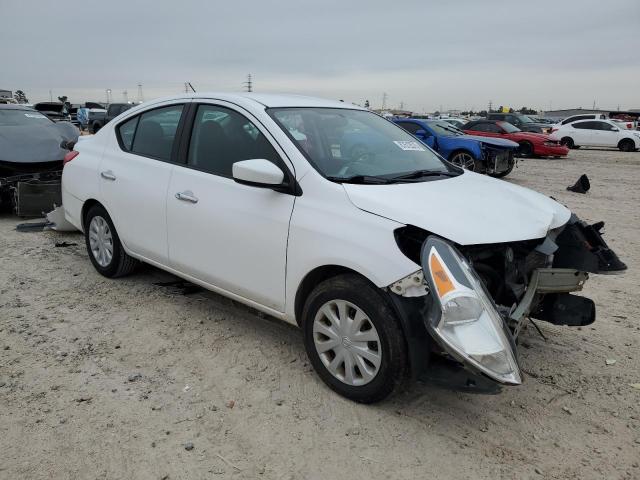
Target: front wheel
column 627, row 145
column 353, row 339
column 525, row 149
column 103, row 244
column 512, row 163
column 464, row 160
column 568, row 142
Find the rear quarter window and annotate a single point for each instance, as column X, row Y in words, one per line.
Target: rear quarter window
column 126, row 132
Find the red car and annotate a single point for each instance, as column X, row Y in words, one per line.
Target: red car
column 530, row 143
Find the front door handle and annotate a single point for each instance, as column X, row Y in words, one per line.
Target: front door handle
column 187, row 196
column 108, row 175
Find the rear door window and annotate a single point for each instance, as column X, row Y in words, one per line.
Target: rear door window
column 156, row 131
column 586, row 125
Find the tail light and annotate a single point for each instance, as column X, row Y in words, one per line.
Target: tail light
column 70, row 156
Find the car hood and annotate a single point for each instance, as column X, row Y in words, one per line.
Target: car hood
column 532, row 136
column 468, row 209
column 37, row 143
column 496, row 142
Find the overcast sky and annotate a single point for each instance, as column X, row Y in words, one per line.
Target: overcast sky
column 426, row 54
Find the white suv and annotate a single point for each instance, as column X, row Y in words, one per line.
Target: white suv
column 596, row 133
column 332, row 218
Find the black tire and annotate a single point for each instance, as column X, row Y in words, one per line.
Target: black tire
column 95, row 128
column 567, row 142
column 506, row 172
column 393, row 364
column 525, row 149
column 626, row 145
column 121, row 263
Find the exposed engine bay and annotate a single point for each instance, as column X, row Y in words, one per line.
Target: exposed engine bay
column 475, row 294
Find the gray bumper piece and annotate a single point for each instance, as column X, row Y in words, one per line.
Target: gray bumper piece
column 545, row 280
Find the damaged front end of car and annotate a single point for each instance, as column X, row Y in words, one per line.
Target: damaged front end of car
column 473, row 300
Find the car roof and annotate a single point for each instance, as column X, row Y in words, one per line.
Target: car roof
column 13, row 106
column 269, row 100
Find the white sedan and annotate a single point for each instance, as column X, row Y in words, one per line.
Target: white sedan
column 332, row 218
column 596, row 133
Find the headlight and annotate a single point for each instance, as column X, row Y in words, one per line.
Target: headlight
column 467, row 324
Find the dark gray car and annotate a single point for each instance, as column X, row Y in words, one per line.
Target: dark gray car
column 32, row 149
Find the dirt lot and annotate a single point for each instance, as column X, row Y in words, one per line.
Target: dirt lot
column 103, row 379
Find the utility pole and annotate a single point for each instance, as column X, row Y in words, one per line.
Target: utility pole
column 140, row 97
column 384, row 100
column 186, row 87
column 490, row 106
column 125, row 95
column 401, row 105
column 248, row 84
column 50, row 96
column 108, row 90
column 594, row 104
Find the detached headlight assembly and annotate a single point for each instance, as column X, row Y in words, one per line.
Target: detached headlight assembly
column 464, row 319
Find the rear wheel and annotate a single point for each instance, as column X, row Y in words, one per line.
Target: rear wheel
column 353, row 339
column 627, row 145
column 567, row 142
column 103, row 244
column 463, row 159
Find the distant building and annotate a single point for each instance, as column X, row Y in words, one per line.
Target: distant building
column 6, row 93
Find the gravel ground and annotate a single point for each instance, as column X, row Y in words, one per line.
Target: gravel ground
column 103, row 379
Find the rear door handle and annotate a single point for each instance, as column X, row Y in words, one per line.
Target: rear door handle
column 187, row 196
column 108, row 175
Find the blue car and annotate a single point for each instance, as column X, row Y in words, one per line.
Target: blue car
column 493, row 156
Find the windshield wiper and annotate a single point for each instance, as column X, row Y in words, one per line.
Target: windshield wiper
column 361, row 179
column 425, row 173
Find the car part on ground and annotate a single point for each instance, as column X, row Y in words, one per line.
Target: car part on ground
column 582, row 185
column 382, row 252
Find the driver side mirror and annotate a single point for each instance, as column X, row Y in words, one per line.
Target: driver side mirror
column 257, row 173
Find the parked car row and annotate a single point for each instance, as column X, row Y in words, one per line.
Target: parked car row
column 336, row 220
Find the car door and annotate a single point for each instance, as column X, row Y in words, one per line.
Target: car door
column 134, row 177
column 608, row 134
column 229, row 235
column 584, row 132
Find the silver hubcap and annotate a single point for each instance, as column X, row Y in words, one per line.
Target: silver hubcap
column 347, row 342
column 464, row 160
column 101, row 241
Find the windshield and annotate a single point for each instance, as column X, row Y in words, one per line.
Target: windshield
column 344, row 144
column 18, row 118
column 507, row 127
column 445, row 129
column 525, row 119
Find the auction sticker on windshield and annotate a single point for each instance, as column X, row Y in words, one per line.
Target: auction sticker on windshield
column 409, row 145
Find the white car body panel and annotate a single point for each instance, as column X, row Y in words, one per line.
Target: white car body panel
column 469, row 209
column 257, row 245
